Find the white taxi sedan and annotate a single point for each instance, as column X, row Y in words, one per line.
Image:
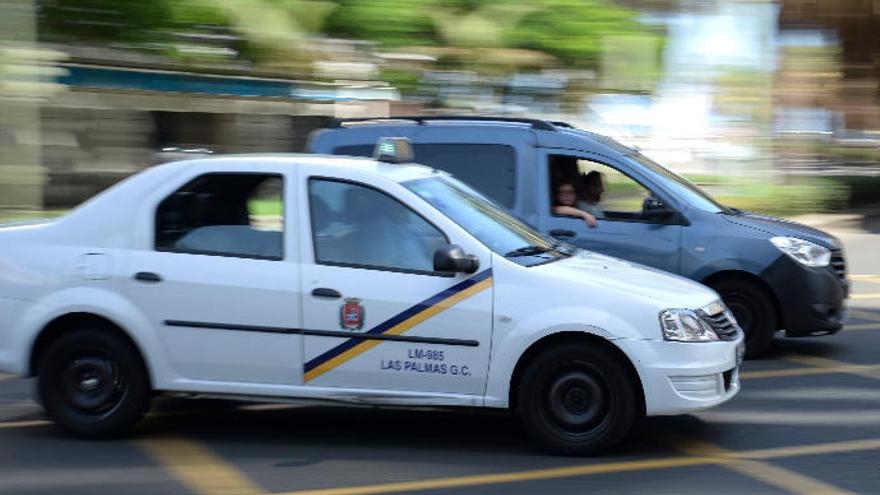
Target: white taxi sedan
column 353, row 280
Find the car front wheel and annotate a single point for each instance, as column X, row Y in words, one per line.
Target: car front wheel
column 93, row 383
column 576, row 400
column 753, row 311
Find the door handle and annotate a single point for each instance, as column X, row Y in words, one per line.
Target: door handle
column 328, row 293
column 148, row 277
column 563, row 233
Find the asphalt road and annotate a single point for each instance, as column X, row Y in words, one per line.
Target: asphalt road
column 806, row 421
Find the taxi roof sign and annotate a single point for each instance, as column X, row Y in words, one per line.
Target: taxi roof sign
column 393, row 150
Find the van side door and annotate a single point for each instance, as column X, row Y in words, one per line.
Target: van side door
column 493, row 160
column 636, row 221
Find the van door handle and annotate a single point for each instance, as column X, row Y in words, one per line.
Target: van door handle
column 148, row 277
column 563, row 233
column 328, row 293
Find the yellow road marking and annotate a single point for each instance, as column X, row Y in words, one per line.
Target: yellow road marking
column 815, row 449
column 4, row 376
column 869, row 371
column 865, row 278
column 198, row 468
column 8, row 425
column 766, row 473
column 862, row 326
column 864, row 315
column 722, row 458
column 202, row 471
column 491, row 479
column 813, row 370
column 864, row 296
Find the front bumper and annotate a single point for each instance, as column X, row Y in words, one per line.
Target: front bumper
column 684, row 377
column 811, row 299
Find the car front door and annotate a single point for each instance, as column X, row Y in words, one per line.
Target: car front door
column 630, row 225
column 216, row 280
column 375, row 313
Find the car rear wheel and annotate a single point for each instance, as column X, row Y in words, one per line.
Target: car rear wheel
column 753, row 311
column 577, row 400
column 93, row 383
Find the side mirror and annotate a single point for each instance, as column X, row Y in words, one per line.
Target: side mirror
column 654, row 209
column 452, row 259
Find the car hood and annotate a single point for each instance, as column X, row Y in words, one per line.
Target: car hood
column 781, row 227
column 596, row 271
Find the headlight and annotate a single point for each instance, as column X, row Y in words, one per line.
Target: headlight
column 686, row 326
column 804, row 252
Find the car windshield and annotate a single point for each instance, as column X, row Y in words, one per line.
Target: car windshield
column 693, row 195
column 489, row 223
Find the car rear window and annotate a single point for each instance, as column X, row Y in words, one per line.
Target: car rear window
column 488, row 168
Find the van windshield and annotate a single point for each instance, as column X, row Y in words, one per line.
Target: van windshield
column 687, row 190
column 500, row 231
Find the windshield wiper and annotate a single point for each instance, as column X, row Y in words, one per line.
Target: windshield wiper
column 527, row 251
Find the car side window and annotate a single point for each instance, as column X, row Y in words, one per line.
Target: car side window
column 488, row 168
column 599, row 189
column 224, row 214
column 358, row 226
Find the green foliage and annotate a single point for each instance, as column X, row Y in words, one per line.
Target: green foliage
column 794, row 196
column 105, row 20
column 394, row 23
column 573, row 30
column 404, row 80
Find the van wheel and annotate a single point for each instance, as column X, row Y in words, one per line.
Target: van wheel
column 93, row 383
column 753, row 311
column 577, row 400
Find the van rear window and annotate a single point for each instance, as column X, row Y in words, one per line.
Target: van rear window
column 488, row 168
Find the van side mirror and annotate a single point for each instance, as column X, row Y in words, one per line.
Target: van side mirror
column 452, row 259
column 654, row 209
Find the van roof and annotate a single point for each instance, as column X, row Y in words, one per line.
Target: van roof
column 549, row 133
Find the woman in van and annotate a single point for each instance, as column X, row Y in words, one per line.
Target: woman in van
column 566, row 204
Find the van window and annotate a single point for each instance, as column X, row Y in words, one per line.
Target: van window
column 224, row 214
column 599, row 189
column 488, row 168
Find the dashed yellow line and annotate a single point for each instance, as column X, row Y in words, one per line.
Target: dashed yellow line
column 198, row 468
column 491, row 479
column 769, row 474
column 814, row 449
column 864, row 296
column 869, row 371
column 4, row 376
column 9, row 425
column 793, row 372
column 862, row 326
column 201, row 470
column 864, row 315
column 777, row 476
column 865, row 278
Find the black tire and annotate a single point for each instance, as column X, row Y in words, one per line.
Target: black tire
column 93, row 383
column 753, row 309
column 577, row 400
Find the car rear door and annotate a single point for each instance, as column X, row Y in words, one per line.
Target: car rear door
column 375, row 314
column 214, row 275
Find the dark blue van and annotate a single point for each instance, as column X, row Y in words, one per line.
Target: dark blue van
column 772, row 273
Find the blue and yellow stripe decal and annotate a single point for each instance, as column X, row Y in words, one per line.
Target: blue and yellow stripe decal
column 398, row 324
